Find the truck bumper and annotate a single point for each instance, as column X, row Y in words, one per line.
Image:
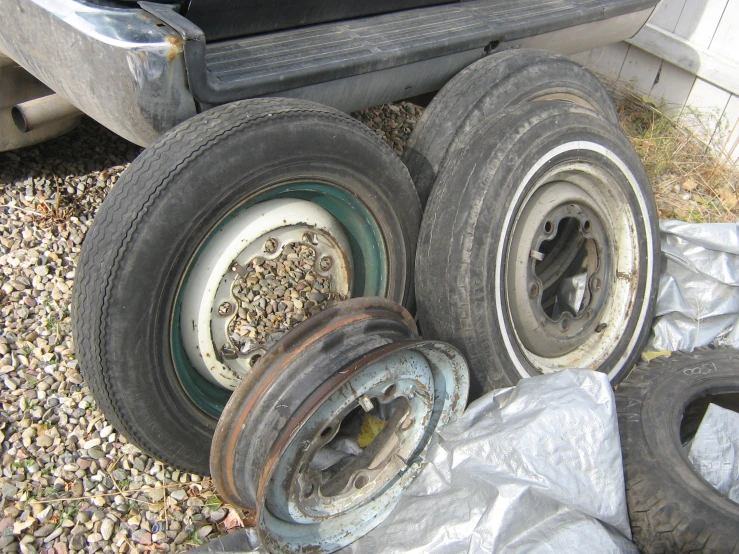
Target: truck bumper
column 123, row 67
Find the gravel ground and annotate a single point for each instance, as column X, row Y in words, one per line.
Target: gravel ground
column 69, row 481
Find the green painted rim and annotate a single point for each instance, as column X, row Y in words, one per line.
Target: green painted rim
column 370, row 273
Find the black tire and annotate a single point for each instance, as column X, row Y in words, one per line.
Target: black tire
column 488, row 87
column 671, row 507
column 467, row 259
column 144, row 238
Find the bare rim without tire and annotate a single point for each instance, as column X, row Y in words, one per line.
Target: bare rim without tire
column 333, row 423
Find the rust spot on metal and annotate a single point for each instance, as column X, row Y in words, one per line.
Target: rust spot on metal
column 176, row 44
column 365, row 323
column 320, row 396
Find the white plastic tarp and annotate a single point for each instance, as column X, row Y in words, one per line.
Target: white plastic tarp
column 698, row 301
column 714, row 451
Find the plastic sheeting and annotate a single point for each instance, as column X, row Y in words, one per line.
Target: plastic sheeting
column 698, row 301
column 534, row 468
column 714, row 451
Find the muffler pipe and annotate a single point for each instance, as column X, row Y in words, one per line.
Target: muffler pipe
column 33, row 114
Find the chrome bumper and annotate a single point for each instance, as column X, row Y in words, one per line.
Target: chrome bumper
column 122, row 67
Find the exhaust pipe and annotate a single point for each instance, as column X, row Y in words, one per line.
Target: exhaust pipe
column 33, row 114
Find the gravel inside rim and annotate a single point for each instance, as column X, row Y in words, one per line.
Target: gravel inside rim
column 69, row 481
column 269, row 306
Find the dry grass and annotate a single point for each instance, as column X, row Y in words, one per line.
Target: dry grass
column 689, row 180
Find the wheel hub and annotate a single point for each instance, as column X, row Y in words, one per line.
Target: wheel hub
column 306, row 500
column 390, row 403
column 228, row 289
column 561, row 262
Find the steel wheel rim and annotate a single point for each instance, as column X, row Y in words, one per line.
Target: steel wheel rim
column 329, row 532
column 406, row 394
column 368, row 263
column 264, row 231
column 582, row 192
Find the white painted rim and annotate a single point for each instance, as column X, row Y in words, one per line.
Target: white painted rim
column 240, row 240
column 630, row 251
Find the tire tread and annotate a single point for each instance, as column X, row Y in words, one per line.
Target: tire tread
column 665, row 517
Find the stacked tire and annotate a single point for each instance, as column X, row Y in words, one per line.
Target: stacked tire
column 539, row 244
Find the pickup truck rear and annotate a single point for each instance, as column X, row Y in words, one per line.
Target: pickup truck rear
column 142, row 69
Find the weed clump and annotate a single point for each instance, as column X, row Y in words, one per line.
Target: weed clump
column 690, row 180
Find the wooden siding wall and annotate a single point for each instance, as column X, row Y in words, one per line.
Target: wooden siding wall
column 686, row 58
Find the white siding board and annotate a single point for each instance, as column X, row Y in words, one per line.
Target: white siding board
column 640, row 69
column 672, row 88
column 700, row 61
column 699, row 19
column 609, row 60
column 728, row 134
column 726, row 39
column 704, row 108
column 667, row 14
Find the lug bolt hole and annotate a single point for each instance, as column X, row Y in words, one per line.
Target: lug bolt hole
column 390, row 390
column 361, row 481
column 565, row 324
column 586, row 226
column 309, row 490
column 548, row 227
column 270, row 246
column 229, row 353
column 407, row 424
column 326, row 432
column 325, row 263
column 534, row 290
column 254, row 359
column 226, row 308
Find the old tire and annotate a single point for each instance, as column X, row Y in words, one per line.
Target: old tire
column 178, row 199
column 671, row 507
column 557, row 181
column 488, row 87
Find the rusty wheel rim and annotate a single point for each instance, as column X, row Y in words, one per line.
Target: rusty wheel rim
column 352, row 500
column 348, row 328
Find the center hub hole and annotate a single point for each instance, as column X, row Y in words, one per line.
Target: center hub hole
column 275, row 295
column 569, row 260
column 340, row 462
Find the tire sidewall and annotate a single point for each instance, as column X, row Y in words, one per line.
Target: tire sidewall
column 488, row 87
